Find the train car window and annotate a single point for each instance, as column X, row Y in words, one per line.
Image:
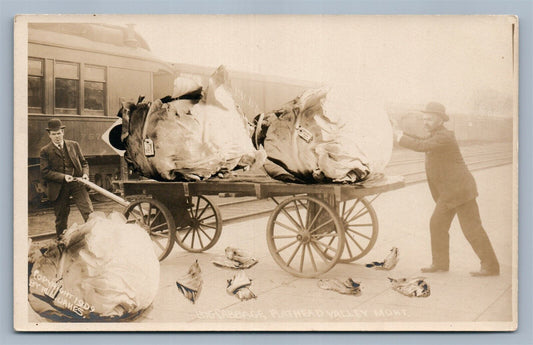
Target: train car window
column 67, row 70
column 35, row 85
column 66, row 87
column 95, row 73
column 94, row 90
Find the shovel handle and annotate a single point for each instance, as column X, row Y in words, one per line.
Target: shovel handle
column 103, row 191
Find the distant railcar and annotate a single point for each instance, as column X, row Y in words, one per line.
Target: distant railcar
column 80, row 73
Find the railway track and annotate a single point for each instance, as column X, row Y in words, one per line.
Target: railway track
column 236, row 209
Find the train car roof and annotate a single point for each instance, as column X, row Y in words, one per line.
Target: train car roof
column 182, row 68
column 102, row 38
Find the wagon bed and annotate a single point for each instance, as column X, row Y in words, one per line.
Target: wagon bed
column 312, row 227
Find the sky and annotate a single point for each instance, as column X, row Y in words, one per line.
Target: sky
column 460, row 61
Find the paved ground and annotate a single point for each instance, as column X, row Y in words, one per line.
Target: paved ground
column 289, row 301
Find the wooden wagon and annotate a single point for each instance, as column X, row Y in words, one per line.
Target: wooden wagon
column 311, row 229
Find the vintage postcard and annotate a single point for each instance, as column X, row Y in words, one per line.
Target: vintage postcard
column 266, row 173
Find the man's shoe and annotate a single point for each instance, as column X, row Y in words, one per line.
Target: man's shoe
column 433, row 269
column 485, row 272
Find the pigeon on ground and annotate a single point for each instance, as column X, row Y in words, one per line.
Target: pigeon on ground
column 190, row 284
column 389, row 263
column 412, row 287
column 239, row 286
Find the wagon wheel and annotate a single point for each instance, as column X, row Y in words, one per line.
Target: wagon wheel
column 299, row 231
column 204, row 228
column 156, row 219
column 360, row 228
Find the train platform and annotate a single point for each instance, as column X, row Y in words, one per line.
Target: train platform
column 288, row 301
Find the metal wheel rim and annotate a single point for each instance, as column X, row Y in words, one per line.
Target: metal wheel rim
column 157, row 221
column 282, row 240
column 205, row 229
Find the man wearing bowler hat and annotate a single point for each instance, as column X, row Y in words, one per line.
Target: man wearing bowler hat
column 61, row 162
column 454, row 190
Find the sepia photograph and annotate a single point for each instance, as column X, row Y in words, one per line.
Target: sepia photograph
column 266, row 172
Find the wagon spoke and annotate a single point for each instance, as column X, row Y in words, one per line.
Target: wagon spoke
column 197, row 205
column 155, row 217
column 204, row 209
column 321, row 236
column 190, row 212
column 159, row 234
column 328, row 247
column 200, row 238
column 140, row 217
column 358, row 215
column 187, row 234
column 374, row 198
column 298, row 213
column 211, row 216
column 349, row 249
column 286, row 227
column 330, row 242
column 206, row 235
column 302, row 259
column 133, row 221
column 294, row 254
column 282, row 236
column 193, row 236
column 360, row 234
column 303, row 205
column 359, row 225
column 157, row 227
column 324, row 258
column 321, row 226
column 142, row 212
column 311, row 257
column 286, row 246
column 347, row 214
column 289, row 217
column 357, row 243
column 136, row 216
column 314, row 219
column 343, row 208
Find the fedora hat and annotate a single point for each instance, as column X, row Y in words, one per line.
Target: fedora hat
column 437, row 109
column 54, row 125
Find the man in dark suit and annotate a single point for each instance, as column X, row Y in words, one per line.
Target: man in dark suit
column 454, row 190
column 61, row 162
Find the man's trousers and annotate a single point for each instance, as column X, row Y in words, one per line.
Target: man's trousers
column 468, row 214
column 62, row 208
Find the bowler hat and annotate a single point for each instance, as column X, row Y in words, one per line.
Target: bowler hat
column 54, row 125
column 437, row 109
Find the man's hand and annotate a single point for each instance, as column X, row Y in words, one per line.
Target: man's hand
column 69, row 178
column 85, row 177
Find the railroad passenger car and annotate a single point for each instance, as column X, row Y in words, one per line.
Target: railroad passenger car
column 80, row 73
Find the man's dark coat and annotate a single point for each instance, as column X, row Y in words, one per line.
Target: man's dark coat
column 52, row 166
column 449, row 179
